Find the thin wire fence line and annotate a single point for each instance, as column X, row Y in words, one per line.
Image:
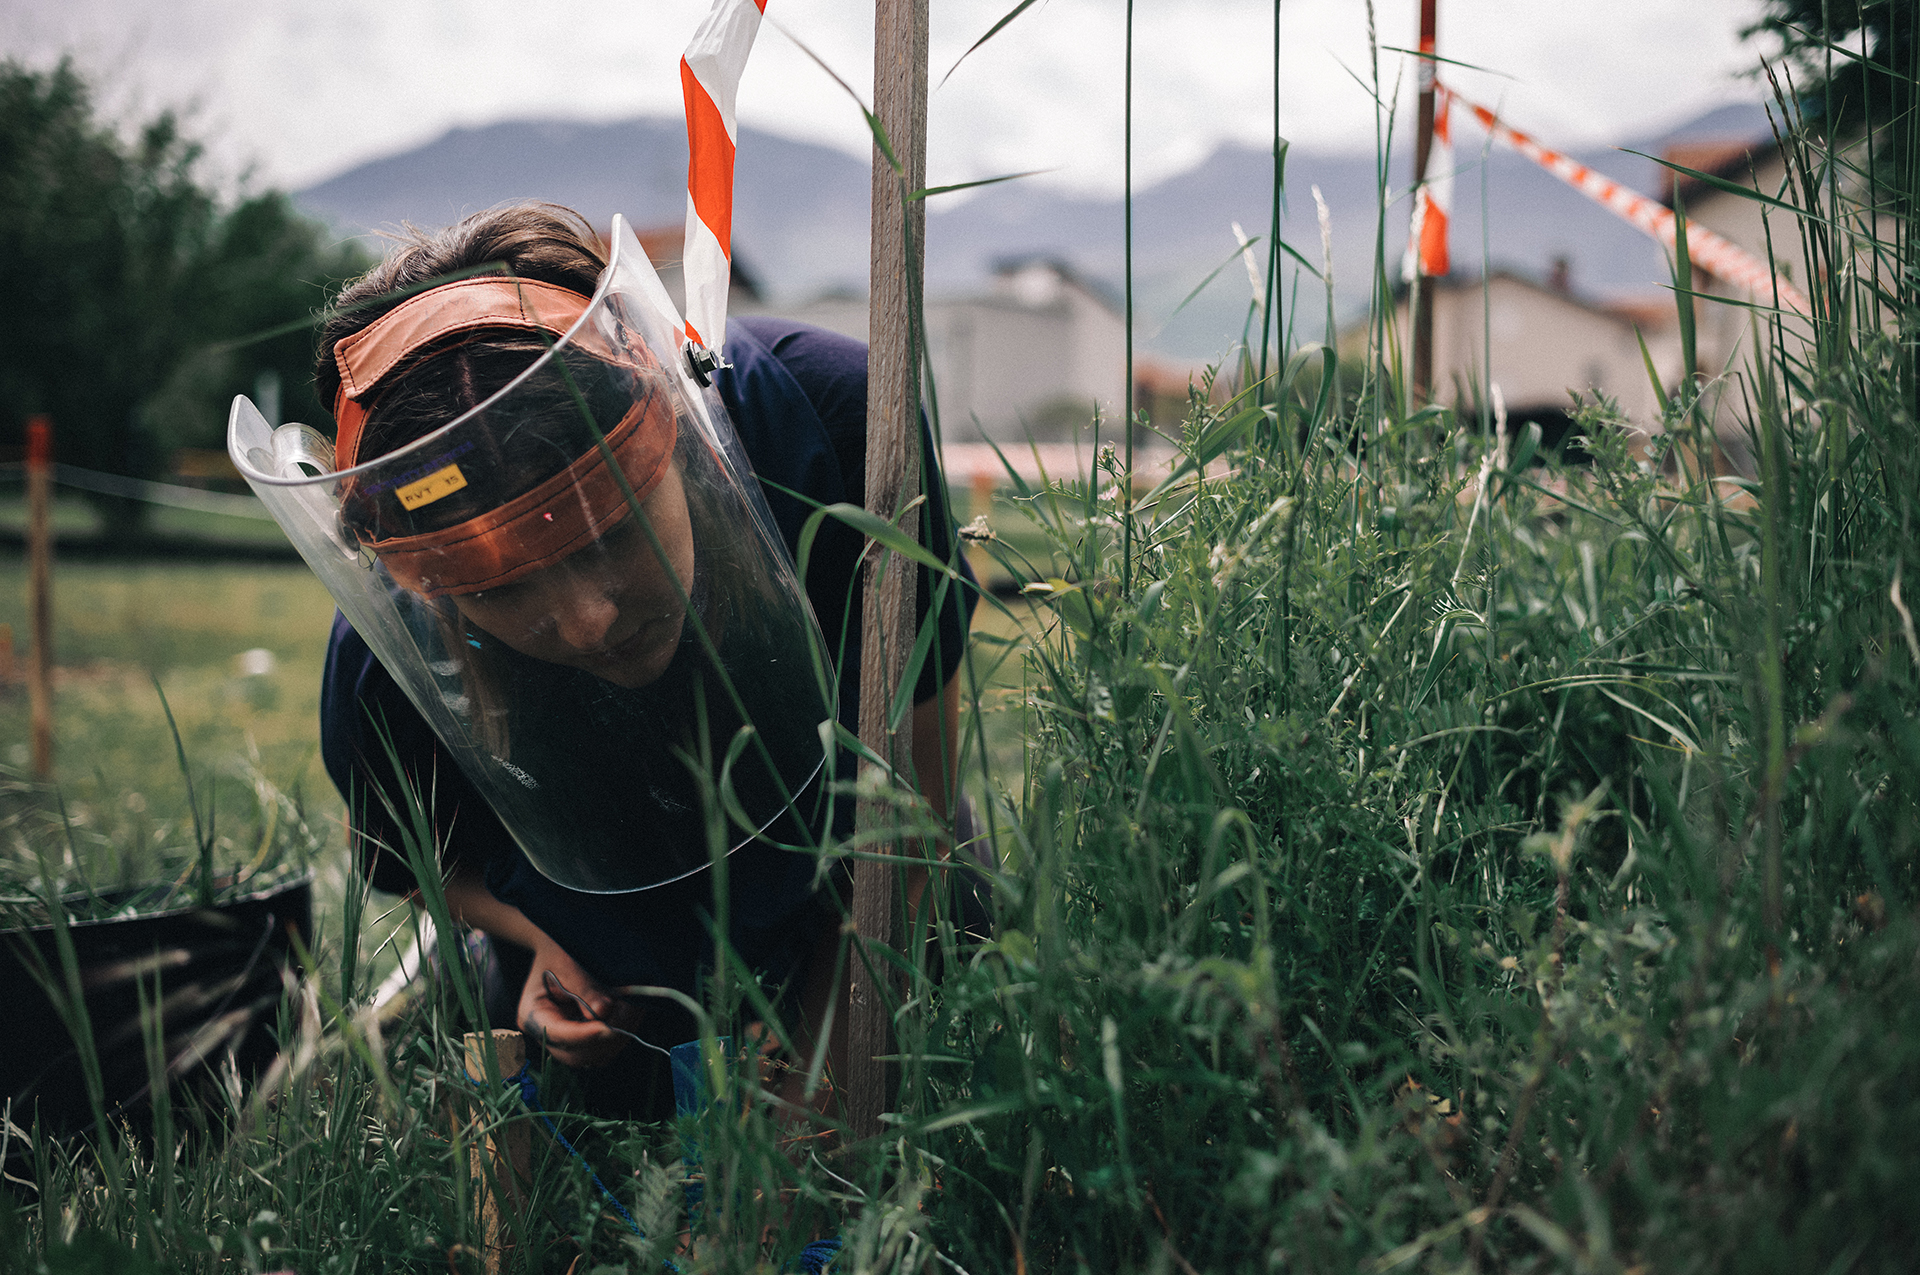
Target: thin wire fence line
column 152, row 493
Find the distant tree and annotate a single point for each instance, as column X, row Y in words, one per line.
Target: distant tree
column 1853, row 59
column 268, row 272
column 138, row 301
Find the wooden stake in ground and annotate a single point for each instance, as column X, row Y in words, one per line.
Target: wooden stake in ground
column 40, row 589
column 893, row 480
column 504, row 1156
column 979, row 506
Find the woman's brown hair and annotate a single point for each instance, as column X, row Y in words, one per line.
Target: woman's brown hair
column 526, row 241
column 553, row 245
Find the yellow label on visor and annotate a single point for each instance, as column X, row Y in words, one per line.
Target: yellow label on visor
column 441, row 482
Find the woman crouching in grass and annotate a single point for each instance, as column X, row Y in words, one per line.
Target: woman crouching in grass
column 572, row 643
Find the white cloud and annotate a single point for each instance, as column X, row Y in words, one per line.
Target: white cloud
column 302, row 89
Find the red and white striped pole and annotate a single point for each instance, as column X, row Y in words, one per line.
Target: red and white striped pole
column 709, row 78
column 1427, row 220
column 1427, row 253
column 1712, row 253
column 40, row 590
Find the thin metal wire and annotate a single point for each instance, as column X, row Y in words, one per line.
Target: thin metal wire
column 554, row 985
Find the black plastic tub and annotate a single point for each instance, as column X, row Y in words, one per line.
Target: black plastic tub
column 220, row 977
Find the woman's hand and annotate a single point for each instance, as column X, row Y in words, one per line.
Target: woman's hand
column 573, row 1016
column 578, row 1028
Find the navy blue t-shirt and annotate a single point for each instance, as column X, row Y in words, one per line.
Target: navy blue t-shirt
column 798, row 397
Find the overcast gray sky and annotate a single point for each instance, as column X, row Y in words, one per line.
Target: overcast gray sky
column 298, row 90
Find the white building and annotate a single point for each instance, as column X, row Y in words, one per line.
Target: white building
column 1548, row 344
column 1036, row 354
column 1725, row 331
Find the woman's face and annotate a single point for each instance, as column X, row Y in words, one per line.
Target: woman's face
column 612, row 608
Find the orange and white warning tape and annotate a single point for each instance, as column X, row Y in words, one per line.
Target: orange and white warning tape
column 709, row 77
column 1719, row 257
column 1433, row 198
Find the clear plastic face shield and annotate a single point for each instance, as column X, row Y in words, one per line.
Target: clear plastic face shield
column 548, row 535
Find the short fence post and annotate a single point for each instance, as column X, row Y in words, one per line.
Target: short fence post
column 980, row 505
column 503, row 1156
column 40, row 589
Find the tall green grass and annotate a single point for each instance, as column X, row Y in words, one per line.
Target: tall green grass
column 119, row 626
column 1420, row 869
column 1421, row 860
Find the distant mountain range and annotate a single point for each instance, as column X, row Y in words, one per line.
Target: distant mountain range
column 800, row 213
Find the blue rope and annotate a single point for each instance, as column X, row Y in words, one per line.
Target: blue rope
column 690, row 1097
column 817, row 1256
column 530, row 1095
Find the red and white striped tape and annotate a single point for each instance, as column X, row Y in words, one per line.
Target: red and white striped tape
column 709, row 76
column 1433, row 201
column 1717, row 256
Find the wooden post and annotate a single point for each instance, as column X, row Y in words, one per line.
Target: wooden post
column 1423, row 144
column 505, row 1153
column 893, row 480
column 40, row 590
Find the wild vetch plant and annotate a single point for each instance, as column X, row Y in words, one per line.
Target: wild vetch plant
column 1424, row 860
column 1430, row 861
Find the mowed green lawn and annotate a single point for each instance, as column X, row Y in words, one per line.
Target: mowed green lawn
column 73, row 516
column 121, row 626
